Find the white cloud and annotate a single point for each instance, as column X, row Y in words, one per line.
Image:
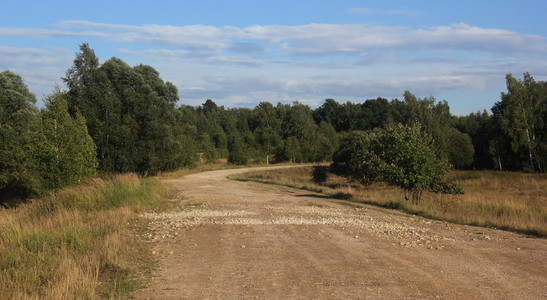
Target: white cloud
column 309, row 39
column 41, row 69
column 192, row 56
column 306, row 62
column 196, row 37
column 326, row 39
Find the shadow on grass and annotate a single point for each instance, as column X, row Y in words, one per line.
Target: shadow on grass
column 339, row 196
column 12, row 198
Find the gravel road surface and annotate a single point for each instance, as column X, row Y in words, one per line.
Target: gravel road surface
column 243, row 240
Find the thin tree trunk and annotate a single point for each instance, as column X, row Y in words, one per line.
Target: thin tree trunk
column 531, row 157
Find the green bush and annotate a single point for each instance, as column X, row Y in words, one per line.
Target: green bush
column 320, row 174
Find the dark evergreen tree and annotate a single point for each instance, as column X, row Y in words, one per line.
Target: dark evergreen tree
column 479, row 127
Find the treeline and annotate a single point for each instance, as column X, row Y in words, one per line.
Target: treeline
column 114, row 118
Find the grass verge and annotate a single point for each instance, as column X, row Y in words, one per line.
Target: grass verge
column 505, row 200
column 79, row 242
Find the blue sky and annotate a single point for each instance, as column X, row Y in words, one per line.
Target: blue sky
column 239, row 53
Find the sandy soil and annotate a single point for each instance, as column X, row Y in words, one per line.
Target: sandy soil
column 236, row 240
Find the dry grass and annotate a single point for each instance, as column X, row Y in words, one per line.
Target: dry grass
column 505, row 200
column 76, row 243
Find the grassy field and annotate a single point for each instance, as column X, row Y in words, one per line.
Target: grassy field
column 78, row 243
column 505, row 200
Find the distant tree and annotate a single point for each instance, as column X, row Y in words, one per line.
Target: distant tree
column 300, row 124
column 209, row 108
column 521, row 117
column 268, row 128
column 328, row 112
column 289, row 151
column 188, row 155
column 460, row 149
column 375, row 113
column 434, row 118
column 351, row 117
column 479, row 127
column 357, row 159
column 328, row 141
column 207, row 147
column 239, row 152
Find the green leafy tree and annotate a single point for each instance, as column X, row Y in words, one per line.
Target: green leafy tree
column 331, row 112
column 401, row 155
column 299, row 123
column 409, row 160
column 268, row 127
column 375, row 113
column 356, row 158
column 207, row 147
column 188, row 155
column 65, row 153
column 239, row 152
column 18, row 117
column 521, row 117
column 130, row 112
column 328, row 142
column 289, row 151
column 434, row 118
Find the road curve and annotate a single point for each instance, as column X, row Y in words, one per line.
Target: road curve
column 234, row 240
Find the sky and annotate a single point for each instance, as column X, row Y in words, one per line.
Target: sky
column 239, row 53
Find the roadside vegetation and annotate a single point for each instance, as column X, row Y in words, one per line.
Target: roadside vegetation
column 79, row 242
column 513, row 201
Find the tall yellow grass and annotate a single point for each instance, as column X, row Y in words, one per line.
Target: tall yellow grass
column 75, row 243
column 505, row 200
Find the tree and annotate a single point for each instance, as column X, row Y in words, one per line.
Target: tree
column 328, row 141
column 401, row 155
column 434, row 118
column 375, row 113
column 289, row 151
column 130, row 112
column 330, row 112
column 207, row 147
column 409, row 160
column 268, row 127
column 356, row 158
column 65, row 152
column 18, row 117
column 239, row 153
column 521, row 117
column 460, row 149
column 479, row 128
column 300, row 124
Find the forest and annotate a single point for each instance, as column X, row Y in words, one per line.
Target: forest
column 115, row 118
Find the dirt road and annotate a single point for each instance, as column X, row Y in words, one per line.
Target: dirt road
column 235, row 240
